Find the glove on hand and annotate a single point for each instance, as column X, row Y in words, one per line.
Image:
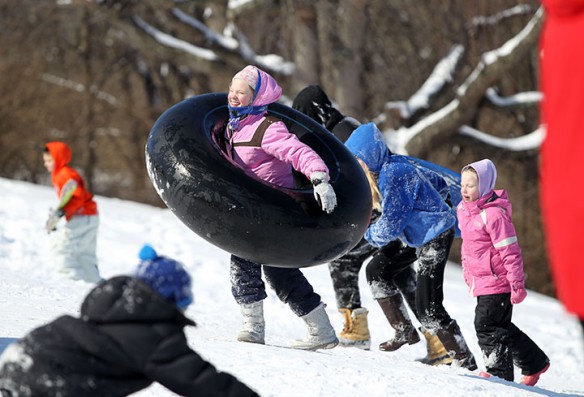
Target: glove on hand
column 518, row 295
column 323, row 192
column 54, row 217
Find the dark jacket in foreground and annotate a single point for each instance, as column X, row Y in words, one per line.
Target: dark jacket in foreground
column 128, row 337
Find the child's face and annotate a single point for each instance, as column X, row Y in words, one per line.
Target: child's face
column 469, row 186
column 240, row 93
column 49, row 162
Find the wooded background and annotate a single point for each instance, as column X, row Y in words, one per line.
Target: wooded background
column 92, row 74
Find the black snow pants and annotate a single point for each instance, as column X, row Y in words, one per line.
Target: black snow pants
column 432, row 259
column 344, row 273
column 502, row 343
column 423, row 290
column 390, row 271
column 290, row 285
column 394, row 258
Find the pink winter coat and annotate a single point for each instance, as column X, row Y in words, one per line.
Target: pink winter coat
column 491, row 256
column 280, row 150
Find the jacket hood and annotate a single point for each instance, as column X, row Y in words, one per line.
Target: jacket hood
column 268, row 92
column 266, row 89
column 127, row 299
column 367, row 144
column 60, row 152
column 498, row 198
column 487, row 174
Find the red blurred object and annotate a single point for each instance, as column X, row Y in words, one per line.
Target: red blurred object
column 562, row 155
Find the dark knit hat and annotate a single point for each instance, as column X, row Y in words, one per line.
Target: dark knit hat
column 314, row 102
column 166, row 276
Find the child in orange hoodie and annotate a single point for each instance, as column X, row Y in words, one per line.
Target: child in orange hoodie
column 74, row 248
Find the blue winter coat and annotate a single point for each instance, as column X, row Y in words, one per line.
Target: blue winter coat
column 413, row 210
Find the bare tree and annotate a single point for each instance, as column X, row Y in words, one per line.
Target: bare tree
column 97, row 74
column 440, row 125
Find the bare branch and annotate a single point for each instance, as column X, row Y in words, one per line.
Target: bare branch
column 531, row 141
column 444, row 123
column 78, row 87
column 441, row 75
column 228, row 43
column 170, row 41
column 522, row 99
column 270, row 62
column 520, row 9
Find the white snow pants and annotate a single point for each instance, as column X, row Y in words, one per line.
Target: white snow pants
column 74, row 248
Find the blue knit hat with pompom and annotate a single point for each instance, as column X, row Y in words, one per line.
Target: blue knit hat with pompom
column 166, row 276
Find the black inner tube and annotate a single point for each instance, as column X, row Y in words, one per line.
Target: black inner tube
column 242, row 214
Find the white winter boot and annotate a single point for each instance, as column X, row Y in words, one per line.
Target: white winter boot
column 253, row 323
column 321, row 334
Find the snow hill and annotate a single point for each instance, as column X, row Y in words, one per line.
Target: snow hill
column 31, row 293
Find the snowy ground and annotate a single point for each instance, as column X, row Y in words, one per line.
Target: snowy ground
column 32, row 294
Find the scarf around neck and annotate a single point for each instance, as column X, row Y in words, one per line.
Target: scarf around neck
column 238, row 113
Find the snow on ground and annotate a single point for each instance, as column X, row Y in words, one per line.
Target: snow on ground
column 31, row 293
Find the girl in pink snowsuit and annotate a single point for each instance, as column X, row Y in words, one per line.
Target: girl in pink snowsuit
column 264, row 147
column 272, row 152
column 493, row 269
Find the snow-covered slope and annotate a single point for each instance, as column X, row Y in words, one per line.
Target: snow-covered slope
column 31, row 293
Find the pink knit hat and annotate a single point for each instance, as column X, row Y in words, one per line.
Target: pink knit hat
column 249, row 74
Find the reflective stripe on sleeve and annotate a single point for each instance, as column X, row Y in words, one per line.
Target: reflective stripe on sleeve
column 506, row 242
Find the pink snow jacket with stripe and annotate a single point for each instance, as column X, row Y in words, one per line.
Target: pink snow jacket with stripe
column 280, row 150
column 491, row 256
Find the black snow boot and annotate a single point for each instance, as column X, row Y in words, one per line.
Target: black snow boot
column 452, row 339
column 405, row 333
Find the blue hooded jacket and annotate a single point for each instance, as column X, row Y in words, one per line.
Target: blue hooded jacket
column 412, row 209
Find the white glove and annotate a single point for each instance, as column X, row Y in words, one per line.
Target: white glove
column 323, row 191
column 54, row 217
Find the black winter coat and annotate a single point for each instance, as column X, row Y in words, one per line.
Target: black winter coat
column 128, row 336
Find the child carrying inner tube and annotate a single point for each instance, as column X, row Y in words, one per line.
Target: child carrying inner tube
column 264, row 147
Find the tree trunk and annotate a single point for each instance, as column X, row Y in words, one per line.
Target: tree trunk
column 351, row 23
column 302, row 20
column 328, row 43
column 88, row 126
